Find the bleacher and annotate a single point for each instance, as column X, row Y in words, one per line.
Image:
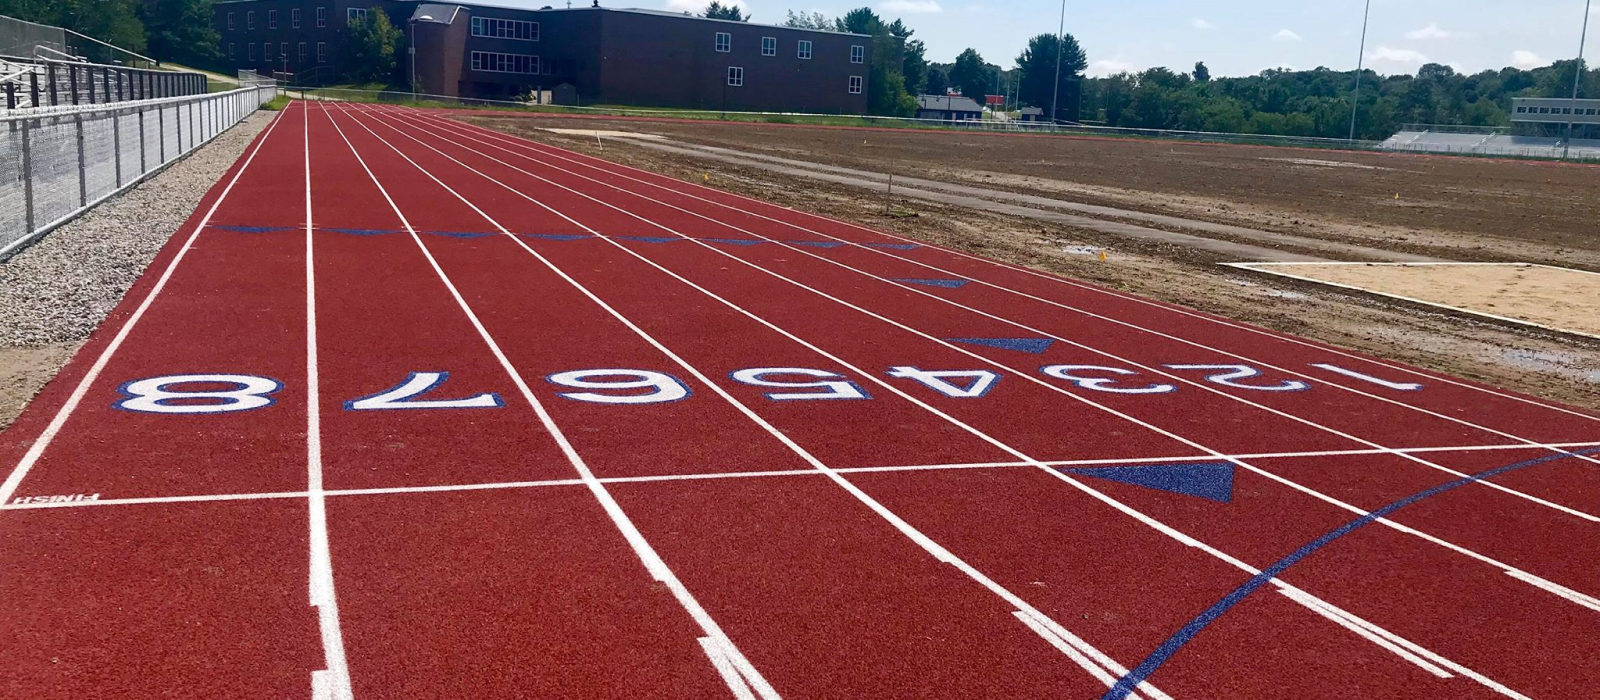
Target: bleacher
column 1489, row 143
column 38, row 82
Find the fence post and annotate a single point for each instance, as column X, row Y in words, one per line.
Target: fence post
column 177, row 132
column 116, row 145
column 83, row 170
column 33, row 81
column 161, row 133
column 142, row 166
column 27, row 171
column 11, row 95
column 50, row 72
column 89, row 78
column 72, row 82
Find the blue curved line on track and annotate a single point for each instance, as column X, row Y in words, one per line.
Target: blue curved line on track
column 1128, row 683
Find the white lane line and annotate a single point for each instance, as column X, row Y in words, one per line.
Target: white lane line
column 332, row 683
column 590, row 163
column 1202, row 385
column 1092, row 660
column 747, row 680
column 1075, row 483
column 712, row 476
column 1589, row 602
column 31, row 457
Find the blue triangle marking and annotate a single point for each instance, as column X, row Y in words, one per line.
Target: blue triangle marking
column 1209, row 480
column 1032, row 346
column 253, row 229
column 557, row 236
column 361, row 231
column 460, row 234
column 735, row 241
column 648, row 239
column 947, row 284
column 818, row 244
column 893, row 246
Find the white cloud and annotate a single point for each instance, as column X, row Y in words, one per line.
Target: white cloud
column 1201, row 24
column 1401, row 57
column 1286, row 35
column 698, row 6
column 1431, row 32
column 911, row 7
column 1527, row 59
column 1105, row 67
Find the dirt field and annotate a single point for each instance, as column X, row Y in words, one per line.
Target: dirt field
column 1458, row 209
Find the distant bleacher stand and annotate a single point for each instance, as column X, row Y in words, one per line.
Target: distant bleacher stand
column 1531, row 113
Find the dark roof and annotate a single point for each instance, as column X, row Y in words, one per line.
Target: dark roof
column 947, row 104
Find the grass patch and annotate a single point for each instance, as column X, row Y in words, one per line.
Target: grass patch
column 277, row 103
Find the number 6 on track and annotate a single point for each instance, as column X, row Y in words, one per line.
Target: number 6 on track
column 664, row 387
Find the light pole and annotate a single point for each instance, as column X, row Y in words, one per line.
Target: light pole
column 1361, row 57
column 1577, row 78
column 1055, row 96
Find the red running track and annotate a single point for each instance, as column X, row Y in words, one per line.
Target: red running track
column 414, row 408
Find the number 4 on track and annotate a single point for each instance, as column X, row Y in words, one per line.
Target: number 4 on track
column 403, row 397
column 950, row 383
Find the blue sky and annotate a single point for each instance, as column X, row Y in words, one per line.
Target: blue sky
column 1242, row 37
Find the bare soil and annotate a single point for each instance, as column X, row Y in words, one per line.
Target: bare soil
column 1462, row 209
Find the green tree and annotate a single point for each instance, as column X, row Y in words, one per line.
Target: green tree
column 371, row 44
column 115, row 22
column 814, row 20
column 1202, row 74
column 938, row 80
column 730, row 11
column 1037, row 64
column 861, row 20
column 181, row 31
column 971, row 75
column 914, row 62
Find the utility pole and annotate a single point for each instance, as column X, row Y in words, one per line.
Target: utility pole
column 1577, row 78
column 1055, row 95
column 1361, row 57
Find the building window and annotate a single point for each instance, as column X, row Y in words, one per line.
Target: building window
column 354, row 13
column 251, row 50
column 505, row 28
column 322, row 17
column 724, row 42
column 250, row 20
column 858, row 54
column 230, row 21
column 231, row 52
column 294, row 18
column 322, row 52
column 283, row 50
column 1522, row 110
column 272, row 19
column 805, row 51
column 300, row 52
column 735, row 76
column 266, row 51
column 491, row 62
column 856, row 84
column 769, row 46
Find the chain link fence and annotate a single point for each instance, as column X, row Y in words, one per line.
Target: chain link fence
column 55, row 163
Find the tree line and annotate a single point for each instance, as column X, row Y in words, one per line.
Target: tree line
column 167, row 30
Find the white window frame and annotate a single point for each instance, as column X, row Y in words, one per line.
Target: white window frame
column 858, row 53
column 300, row 54
column 283, row 50
column 322, row 52
column 499, row 62
column 501, row 28
column 803, row 50
column 250, row 19
column 735, row 76
column 322, row 17
column 250, row 51
column 272, row 19
column 230, row 22
column 724, row 42
column 858, row 84
column 232, row 52
column 769, row 46
column 352, row 14
column 294, row 18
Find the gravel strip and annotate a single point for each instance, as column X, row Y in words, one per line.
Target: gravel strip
column 57, row 291
column 60, row 289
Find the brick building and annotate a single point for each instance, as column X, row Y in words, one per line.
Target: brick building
column 588, row 55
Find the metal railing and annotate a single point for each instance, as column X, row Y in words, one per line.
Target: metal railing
column 57, row 162
column 49, row 83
